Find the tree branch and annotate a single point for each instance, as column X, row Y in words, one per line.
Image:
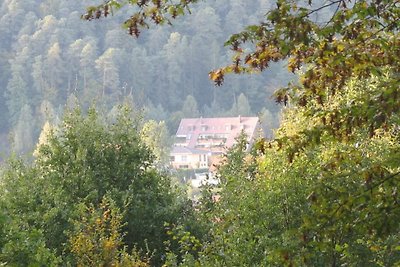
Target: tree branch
column 367, row 191
column 322, row 7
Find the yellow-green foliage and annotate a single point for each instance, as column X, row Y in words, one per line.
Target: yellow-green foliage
column 97, row 238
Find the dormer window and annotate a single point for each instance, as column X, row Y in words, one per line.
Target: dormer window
column 204, row 128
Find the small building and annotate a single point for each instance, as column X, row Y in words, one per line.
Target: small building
column 201, row 141
column 189, row 158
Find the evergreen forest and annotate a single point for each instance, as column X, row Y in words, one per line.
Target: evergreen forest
column 92, row 92
column 52, row 59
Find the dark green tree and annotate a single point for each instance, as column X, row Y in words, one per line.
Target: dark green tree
column 174, row 53
column 189, row 108
column 73, row 60
column 24, row 131
column 79, row 162
column 241, row 106
column 87, row 61
column 107, row 67
column 17, row 92
column 334, row 173
column 53, row 72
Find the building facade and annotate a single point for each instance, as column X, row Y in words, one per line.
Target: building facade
column 200, row 142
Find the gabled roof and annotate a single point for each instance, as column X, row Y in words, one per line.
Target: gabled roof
column 228, row 128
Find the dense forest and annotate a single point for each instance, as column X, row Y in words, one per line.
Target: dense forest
column 323, row 191
column 51, row 59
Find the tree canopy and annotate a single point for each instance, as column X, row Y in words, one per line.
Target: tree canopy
column 330, row 42
column 324, row 190
column 326, row 43
column 50, row 55
column 85, row 162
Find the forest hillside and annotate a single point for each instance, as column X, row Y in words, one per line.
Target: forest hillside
column 51, row 59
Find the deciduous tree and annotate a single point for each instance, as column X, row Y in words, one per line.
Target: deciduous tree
column 334, row 195
column 81, row 161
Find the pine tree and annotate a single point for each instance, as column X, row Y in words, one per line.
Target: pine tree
column 189, row 108
column 24, row 131
column 107, row 67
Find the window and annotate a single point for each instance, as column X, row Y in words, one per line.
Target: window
column 172, row 158
column 181, row 139
column 184, row 158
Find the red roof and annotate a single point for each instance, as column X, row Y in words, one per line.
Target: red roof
column 196, row 132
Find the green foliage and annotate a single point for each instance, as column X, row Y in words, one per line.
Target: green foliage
column 49, row 54
column 158, row 12
column 253, row 218
column 26, row 248
column 97, row 240
column 342, row 125
column 189, row 108
column 241, row 107
column 352, row 196
column 80, row 162
column 16, row 96
column 156, row 138
column 324, row 191
column 329, row 54
column 187, row 246
column 24, row 131
column 23, row 242
column 107, row 66
column 331, row 202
